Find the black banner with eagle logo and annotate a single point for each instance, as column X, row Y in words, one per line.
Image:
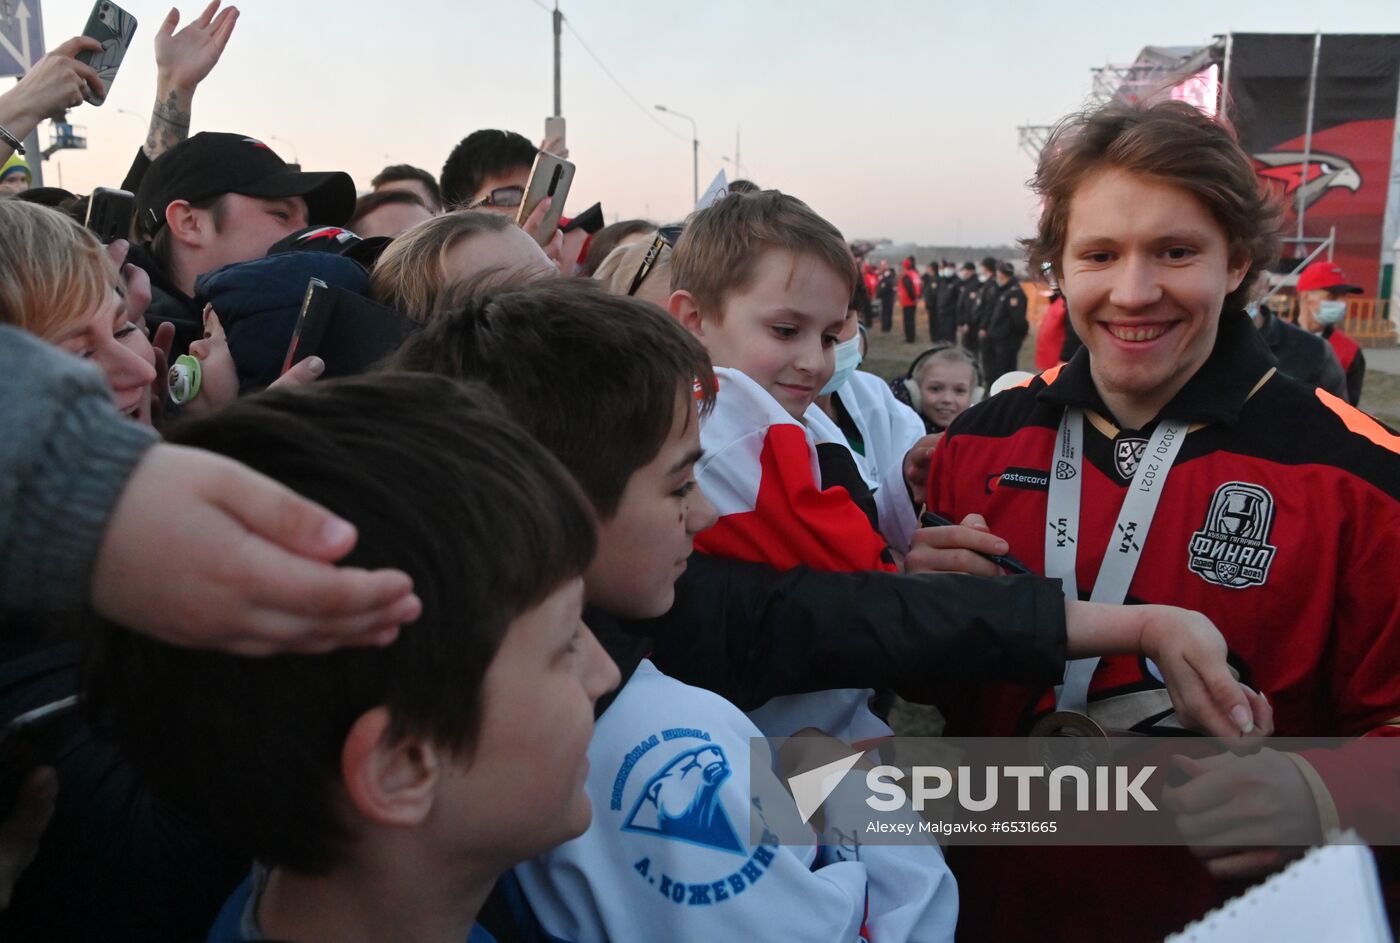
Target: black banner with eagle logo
column 1346, row 179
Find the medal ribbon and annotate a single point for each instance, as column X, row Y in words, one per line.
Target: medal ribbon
column 1125, row 544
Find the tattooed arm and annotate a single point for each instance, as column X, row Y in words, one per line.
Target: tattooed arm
column 183, row 60
column 170, row 122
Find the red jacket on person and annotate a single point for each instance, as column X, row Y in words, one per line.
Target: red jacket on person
column 1051, row 337
column 909, row 287
column 872, row 281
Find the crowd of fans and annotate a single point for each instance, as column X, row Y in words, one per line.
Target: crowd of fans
column 473, row 644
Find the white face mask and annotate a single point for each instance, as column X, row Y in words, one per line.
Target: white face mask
column 982, row 278
column 1331, row 312
column 847, row 359
column 946, row 273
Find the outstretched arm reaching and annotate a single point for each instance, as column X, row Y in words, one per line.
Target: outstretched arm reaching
column 183, row 60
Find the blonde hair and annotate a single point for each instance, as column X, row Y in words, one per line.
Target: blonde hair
column 622, row 264
column 950, row 354
column 411, row 275
column 53, row 272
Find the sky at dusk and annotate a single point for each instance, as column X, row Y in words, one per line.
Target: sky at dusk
column 894, row 119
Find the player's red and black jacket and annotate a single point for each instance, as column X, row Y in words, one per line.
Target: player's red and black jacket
column 1279, row 521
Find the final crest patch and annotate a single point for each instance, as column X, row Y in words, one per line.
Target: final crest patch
column 1231, row 549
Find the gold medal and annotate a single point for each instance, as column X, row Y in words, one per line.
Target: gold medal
column 1069, row 738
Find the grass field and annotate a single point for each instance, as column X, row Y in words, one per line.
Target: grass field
column 889, row 356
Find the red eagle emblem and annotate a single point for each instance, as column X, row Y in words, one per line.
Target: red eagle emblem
column 1285, row 170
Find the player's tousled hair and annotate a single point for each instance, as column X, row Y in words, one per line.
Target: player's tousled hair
column 1171, row 142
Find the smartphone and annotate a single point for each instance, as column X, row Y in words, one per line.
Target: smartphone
column 32, row 739
column 109, row 214
column 554, row 128
column 311, row 326
column 348, row 331
column 550, row 177
column 113, row 27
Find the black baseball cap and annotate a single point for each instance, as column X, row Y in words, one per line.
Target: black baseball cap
column 1007, row 268
column 212, row 163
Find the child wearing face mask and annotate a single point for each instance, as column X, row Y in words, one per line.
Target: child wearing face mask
column 879, row 429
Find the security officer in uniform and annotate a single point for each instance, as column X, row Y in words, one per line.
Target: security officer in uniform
column 943, row 319
column 888, row 282
column 928, row 287
column 1006, row 327
column 971, row 289
column 987, row 296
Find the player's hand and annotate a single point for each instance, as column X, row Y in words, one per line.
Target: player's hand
column 255, row 574
column 916, row 465
column 1243, row 816
column 57, row 82
column 1190, row 652
column 186, row 58
column 955, row 549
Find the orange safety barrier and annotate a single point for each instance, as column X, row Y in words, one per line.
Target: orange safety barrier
column 1368, row 322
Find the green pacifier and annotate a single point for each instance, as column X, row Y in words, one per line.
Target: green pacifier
column 185, row 375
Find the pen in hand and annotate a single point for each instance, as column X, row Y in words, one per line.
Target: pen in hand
column 1004, row 560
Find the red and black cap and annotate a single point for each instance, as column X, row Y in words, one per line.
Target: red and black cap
column 1322, row 275
column 212, row 163
column 333, row 239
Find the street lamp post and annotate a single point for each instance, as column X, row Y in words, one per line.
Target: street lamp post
column 694, row 150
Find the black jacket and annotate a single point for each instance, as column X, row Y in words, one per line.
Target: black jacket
column 751, row 633
column 987, row 299
column 168, row 303
column 969, row 294
column 946, row 293
column 1302, row 355
column 1007, row 323
column 115, row 863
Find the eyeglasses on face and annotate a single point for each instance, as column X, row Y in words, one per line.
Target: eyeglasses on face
column 501, row 196
column 665, row 236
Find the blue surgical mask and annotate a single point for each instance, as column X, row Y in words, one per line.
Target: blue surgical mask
column 847, row 359
column 1252, row 309
column 1331, row 312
